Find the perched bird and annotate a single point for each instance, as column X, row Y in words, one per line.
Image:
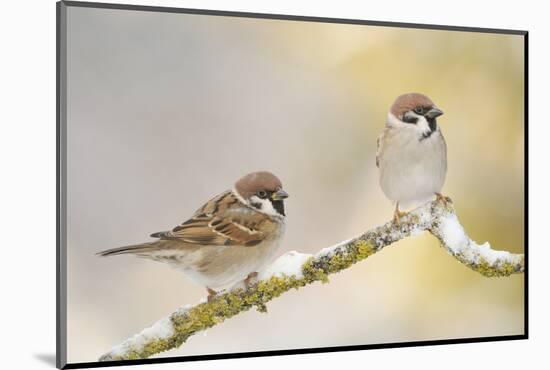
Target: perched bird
column 411, row 152
column 228, row 239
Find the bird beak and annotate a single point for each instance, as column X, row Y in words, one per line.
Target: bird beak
column 434, row 112
column 279, row 195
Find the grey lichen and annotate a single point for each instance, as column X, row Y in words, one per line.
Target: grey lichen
column 187, row 322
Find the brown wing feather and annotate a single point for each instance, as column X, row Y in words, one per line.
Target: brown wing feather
column 223, row 220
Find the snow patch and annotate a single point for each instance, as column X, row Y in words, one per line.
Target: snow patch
column 425, row 217
column 458, row 242
column 492, row 256
column 453, row 233
column 288, row 264
column 160, row 330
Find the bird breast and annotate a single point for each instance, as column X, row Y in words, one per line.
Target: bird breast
column 412, row 169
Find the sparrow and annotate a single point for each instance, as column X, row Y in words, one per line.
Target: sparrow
column 411, row 152
column 229, row 239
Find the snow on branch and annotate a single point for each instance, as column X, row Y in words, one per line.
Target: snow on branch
column 294, row 270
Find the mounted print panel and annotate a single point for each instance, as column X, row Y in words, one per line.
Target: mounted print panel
column 234, row 184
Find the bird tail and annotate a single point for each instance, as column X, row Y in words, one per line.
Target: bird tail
column 139, row 249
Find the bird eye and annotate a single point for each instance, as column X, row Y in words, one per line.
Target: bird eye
column 262, row 194
column 419, row 110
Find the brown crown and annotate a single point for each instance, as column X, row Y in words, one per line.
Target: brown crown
column 253, row 182
column 407, row 102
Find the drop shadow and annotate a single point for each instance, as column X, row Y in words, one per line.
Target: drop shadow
column 47, row 358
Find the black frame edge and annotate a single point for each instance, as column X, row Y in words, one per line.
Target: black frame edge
column 226, row 13
column 526, row 176
column 288, row 352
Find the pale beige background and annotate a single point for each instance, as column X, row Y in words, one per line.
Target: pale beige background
column 166, row 110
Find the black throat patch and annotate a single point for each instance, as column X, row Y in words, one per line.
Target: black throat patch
column 433, row 127
column 432, row 123
column 279, row 206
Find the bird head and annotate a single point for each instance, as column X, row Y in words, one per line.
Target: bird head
column 414, row 111
column 263, row 191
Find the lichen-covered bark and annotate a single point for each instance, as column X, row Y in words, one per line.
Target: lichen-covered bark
column 437, row 217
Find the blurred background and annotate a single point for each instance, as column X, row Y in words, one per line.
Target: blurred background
column 167, row 110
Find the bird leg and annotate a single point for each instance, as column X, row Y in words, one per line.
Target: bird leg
column 397, row 214
column 442, row 198
column 249, row 278
column 211, row 294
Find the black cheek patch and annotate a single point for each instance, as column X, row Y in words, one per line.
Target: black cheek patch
column 256, row 205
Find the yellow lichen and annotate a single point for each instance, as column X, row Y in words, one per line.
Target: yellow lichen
column 499, row 269
column 358, row 251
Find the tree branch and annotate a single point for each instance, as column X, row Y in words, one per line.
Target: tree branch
column 295, row 270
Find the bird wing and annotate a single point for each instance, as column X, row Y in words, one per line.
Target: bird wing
column 222, row 221
column 379, row 141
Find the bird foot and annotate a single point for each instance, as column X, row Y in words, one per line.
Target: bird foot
column 211, row 294
column 397, row 216
column 249, row 278
column 443, row 199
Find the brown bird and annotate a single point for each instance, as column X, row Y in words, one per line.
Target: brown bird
column 411, row 152
column 229, row 239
